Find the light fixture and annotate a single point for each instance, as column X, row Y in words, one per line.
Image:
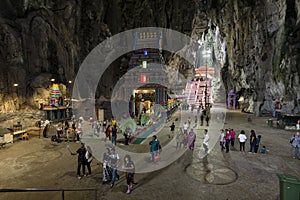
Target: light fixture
column 143, row 78
column 70, row 81
column 52, row 80
column 16, row 84
column 144, row 64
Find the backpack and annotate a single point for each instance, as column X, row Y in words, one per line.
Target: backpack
column 292, row 140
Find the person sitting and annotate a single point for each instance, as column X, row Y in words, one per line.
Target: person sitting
column 25, row 136
column 263, row 150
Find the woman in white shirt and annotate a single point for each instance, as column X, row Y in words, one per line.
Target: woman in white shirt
column 242, row 138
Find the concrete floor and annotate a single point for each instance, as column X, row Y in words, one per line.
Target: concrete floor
column 40, row 163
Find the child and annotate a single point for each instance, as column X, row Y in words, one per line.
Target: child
column 263, row 150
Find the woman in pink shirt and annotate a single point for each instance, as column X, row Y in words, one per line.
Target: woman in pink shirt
column 232, row 137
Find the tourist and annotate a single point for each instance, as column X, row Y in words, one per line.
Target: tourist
column 172, row 129
column 127, row 134
column 45, row 131
column 189, row 121
column 205, row 141
column 185, row 127
column 257, row 141
column 263, row 150
column 185, row 140
column 207, row 120
column 106, row 166
column 252, row 141
column 113, row 122
column 191, row 140
column 154, row 147
column 295, row 141
column 196, row 120
column 59, row 130
column 104, row 124
column 114, row 161
column 298, row 125
column 227, row 140
column 74, row 126
column 222, row 136
column 107, row 133
column 232, row 137
column 81, row 160
column 179, row 138
column 114, row 135
column 89, row 158
column 67, row 126
column 201, row 119
column 242, row 138
column 129, row 172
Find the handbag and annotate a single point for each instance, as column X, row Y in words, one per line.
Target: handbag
column 157, row 158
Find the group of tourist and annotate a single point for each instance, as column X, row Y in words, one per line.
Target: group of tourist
column 227, row 140
column 186, row 137
column 84, row 160
column 111, row 161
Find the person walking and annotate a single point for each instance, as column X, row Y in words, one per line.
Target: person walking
column 172, row 130
column 232, row 137
column 295, row 141
column 114, row 135
column 113, row 122
column 207, row 120
column 227, row 140
column 185, row 127
column 89, row 158
column 114, row 161
column 252, row 141
column 129, row 172
column 106, row 166
column 222, row 136
column 127, row 134
column 205, row 141
column 242, row 138
column 81, row 160
column 107, row 133
column 179, row 138
column 189, row 121
column 154, row 147
column 201, row 119
column 191, row 140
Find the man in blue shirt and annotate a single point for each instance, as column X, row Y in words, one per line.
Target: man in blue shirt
column 154, row 147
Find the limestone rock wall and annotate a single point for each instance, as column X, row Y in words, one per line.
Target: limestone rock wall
column 262, row 40
column 44, row 39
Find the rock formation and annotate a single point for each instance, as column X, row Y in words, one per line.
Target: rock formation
column 44, row 39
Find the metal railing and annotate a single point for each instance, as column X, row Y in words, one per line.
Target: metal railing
column 62, row 190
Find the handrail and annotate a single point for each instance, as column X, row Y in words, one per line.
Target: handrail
column 49, row 190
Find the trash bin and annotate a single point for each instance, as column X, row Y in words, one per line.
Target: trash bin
column 281, row 124
column 270, row 122
column 289, row 187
